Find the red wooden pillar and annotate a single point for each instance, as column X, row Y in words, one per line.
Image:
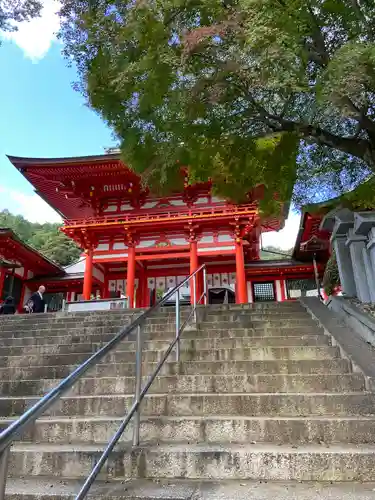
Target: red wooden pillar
column 87, row 279
column 130, row 277
column 282, row 291
column 241, row 289
column 193, row 267
column 23, row 290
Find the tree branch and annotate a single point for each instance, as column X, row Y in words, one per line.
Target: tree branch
column 362, row 18
column 315, row 57
column 319, row 53
column 357, row 9
column 364, row 121
column 360, row 148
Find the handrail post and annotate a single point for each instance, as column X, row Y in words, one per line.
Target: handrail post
column 178, row 325
column 195, row 297
column 4, row 461
column 138, row 383
column 205, row 286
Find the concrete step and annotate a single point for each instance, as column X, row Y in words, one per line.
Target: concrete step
column 233, row 330
column 157, row 345
column 191, row 384
column 52, row 488
column 51, row 335
column 112, row 327
column 109, row 320
column 308, row 367
column 239, row 317
column 102, row 334
column 210, row 429
column 43, row 322
column 117, row 356
column 255, row 306
column 253, row 323
column 270, row 404
column 20, row 321
column 166, row 312
column 46, row 349
column 237, row 342
column 69, row 338
column 26, row 319
column 199, row 461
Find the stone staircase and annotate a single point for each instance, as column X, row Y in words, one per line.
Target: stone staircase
column 261, row 402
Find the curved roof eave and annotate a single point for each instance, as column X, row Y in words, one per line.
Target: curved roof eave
column 13, row 235
column 20, row 161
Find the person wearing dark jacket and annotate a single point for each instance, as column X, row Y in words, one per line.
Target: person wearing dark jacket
column 36, row 301
column 8, row 307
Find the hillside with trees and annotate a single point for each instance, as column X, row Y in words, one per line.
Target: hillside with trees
column 275, row 253
column 46, row 238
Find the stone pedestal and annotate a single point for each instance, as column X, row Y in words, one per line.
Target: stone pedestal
column 371, row 246
column 353, row 239
column 371, row 250
column 369, row 273
column 344, row 264
column 364, row 225
column 357, row 246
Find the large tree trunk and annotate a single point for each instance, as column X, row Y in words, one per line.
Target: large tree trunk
column 357, row 147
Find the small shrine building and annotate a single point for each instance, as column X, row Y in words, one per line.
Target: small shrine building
column 20, row 264
column 139, row 245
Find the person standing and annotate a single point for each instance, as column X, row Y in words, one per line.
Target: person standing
column 36, row 302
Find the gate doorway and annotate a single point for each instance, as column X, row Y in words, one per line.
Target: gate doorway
column 12, row 287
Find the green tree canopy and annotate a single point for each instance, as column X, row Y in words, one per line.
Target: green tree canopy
column 46, row 238
column 17, row 11
column 245, row 92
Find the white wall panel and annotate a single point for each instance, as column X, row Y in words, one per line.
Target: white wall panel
column 110, row 208
column 102, row 246
column 110, row 256
column 119, row 245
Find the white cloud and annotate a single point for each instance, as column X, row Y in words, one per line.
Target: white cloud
column 286, row 238
column 36, row 37
column 30, row 206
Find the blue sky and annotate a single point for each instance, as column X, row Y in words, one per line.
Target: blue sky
column 42, row 116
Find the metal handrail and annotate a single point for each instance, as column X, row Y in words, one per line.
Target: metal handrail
column 14, row 430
